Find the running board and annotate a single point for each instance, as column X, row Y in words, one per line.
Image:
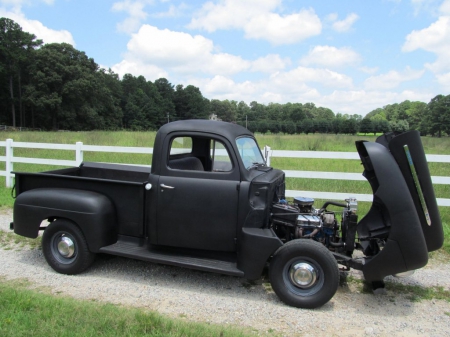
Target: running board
column 142, row 252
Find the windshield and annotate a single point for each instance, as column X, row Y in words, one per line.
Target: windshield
column 250, row 154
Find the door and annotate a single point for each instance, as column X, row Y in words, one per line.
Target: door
column 198, row 203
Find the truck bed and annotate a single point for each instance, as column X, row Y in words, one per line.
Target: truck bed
column 125, row 173
column 122, row 184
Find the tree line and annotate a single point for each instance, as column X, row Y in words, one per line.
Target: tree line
column 55, row 86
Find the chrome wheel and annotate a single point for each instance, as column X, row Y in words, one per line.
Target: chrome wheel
column 303, row 276
column 63, row 247
column 66, row 247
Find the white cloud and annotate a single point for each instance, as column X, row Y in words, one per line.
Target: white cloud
column 420, row 6
column 331, row 17
column 178, row 52
column 288, row 80
column 270, row 64
column 392, row 79
column 295, row 90
column 172, row 12
column 369, row 70
column 435, row 39
column 18, row 3
column 287, row 29
column 331, row 57
column 148, row 71
column 228, row 14
column 258, row 20
column 362, row 102
column 263, row 91
column 35, row 27
column 185, row 54
column 445, row 7
column 135, row 11
column 346, row 24
column 444, row 81
column 222, row 87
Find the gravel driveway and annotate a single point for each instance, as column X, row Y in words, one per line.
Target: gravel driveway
column 199, row 296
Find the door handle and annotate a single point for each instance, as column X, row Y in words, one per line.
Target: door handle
column 167, row 187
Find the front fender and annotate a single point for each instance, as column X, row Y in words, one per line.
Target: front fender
column 94, row 213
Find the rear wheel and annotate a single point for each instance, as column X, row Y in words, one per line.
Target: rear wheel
column 304, row 274
column 65, row 248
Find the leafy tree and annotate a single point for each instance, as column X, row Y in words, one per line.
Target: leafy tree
column 307, row 126
column 15, row 48
column 349, row 126
column 167, row 92
column 294, row 112
column 290, row 128
column 70, row 91
column 366, row 126
column 190, row 103
column 225, row 110
column 376, row 112
column 439, row 115
column 257, row 111
column 310, row 110
column 142, row 104
column 322, row 125
column 274, row 112
column 416, row 112
column 324, row 113
column 262, row 126
column 399, row 126
column 273, row 127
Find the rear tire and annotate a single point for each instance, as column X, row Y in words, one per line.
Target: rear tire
column 304, row 274
column 65, row 248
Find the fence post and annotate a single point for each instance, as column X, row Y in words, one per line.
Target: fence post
column 267, row 154
column 9, row 162
column 79, row 153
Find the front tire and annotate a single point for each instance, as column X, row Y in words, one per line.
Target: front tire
column 304, row 274
column 65, row 248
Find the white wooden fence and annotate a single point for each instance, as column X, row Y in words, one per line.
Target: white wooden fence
column 79, row 148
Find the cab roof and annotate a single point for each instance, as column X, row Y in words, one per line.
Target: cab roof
column 228, row 130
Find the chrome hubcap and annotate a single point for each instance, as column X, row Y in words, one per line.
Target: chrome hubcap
column 66, row 247
column 303, row 275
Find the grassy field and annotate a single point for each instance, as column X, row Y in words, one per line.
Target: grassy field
column 310, row 142
column 36, row 313
column 24, row 312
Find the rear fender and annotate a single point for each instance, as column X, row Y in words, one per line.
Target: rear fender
column 394, row 215
column 94, row 213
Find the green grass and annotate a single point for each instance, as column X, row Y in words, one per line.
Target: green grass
column 25, row 312
column 310, row 142
column 9, row 240
column 414, row 293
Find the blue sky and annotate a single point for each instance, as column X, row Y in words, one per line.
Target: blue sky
column 351, row 56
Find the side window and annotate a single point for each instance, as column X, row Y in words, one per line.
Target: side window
column 179, row 148
column 220, row 158
column 181, row 145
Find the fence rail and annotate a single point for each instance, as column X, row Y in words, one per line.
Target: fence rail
column 79, row 148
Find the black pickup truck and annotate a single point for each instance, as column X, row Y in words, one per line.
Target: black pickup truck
column 210, row 202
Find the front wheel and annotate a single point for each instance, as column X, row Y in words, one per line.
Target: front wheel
column 65, row 248
column 304, row 274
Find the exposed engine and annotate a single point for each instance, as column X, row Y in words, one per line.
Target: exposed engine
column 300, row 220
